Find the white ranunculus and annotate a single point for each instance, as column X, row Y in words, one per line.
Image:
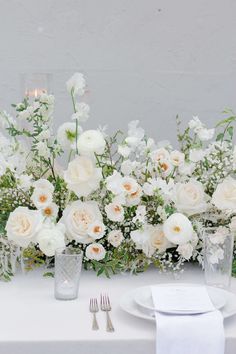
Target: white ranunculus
column 178, row 229
column 82, row 112
column 124, row 150
column 23, row 225
column 66, row 135
column 129, row 185
column 90, row 142
column 166, row 167
column 205, row 134
column 135, row 133
column 82, row 177
column 96, row 230
column 159, row 155
column 43, row 183
column 190, row 197
column 115, row 212
column 78, row 217
column 224, row 196
column 115, row 238
column 41, row 198
column 177, row 158
column 50, row 238
column 76, row 84
column 95, row 251
column 185, row 250
column 196, row 155
column 195, row 124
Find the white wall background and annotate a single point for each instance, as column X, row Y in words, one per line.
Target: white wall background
column 143, row 59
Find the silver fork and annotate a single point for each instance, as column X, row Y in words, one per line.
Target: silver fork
column 106, row 306
column 93, row 308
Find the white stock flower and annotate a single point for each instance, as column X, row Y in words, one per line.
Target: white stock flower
column 25, row 181
column 185, row 250
column 186, row 169
column 205, row 134
column 82, row 112
column 224, row 196
column 135, row 134
column 78, row 218
column 50, row 238
column 190, row 198
column 82, row 177
column 127, row 167
column 90, row 142
column 140, row 214
column 23, row 225
column 157, row 239
column 96, row 230
column 95, row 251
column 50, row 211
column 177, row 158
column 66, row 135
column 160, row 155
column 113, row 183
column 76, row 84
column 195, row 124
column 42, row 149
column 115, row 212
column 219, row 236
column 43, row 183
column 178, row 229
column 196, row 155
column 115, row 238
column 41, row 198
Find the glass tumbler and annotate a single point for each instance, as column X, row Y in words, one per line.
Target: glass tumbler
column 68, row 263
column 218, row 253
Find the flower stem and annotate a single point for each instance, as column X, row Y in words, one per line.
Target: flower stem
column 76, row 121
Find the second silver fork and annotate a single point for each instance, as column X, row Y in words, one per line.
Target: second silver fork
column 93, row 308
column 106, row 307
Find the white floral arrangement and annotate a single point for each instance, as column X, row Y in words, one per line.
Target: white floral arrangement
column 125, row 201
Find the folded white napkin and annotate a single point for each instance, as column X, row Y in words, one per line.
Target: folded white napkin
column 187, row 333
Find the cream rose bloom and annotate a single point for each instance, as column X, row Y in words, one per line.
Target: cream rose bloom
column 177, row 158
column 23, row 225
column 95, row 251
column 78, row 219
column 157, row 239
column 82, row 177
column 190, row 198
column 224, row 196
column 115, row 212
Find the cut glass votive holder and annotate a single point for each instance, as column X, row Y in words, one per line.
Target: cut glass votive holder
column 68, row 264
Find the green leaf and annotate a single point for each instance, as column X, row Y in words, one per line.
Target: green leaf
column 220, row 136
column 226, row 121
column 230, row 131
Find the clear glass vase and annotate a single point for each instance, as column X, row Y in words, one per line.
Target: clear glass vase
column 68, row 263
column 218, row 253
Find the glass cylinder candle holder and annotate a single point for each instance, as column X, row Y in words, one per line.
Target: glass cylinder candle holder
column 68, row 263
column 218, row 254
column 35, row 84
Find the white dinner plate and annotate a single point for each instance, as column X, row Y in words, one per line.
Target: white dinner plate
column 128, row 305
column 143, row 297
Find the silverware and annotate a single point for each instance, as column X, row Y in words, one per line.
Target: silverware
column 93, row 308
column 106, row 306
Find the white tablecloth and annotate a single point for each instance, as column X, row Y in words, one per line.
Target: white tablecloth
column 33, row 322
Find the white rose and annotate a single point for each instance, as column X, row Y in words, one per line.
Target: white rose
column 190, row 197
column 50, row 238
column 95, row 251
column 41, row 198
column 23, row 225
column 115, row 238
column 196, row 155
column 135, row 197
column 78, row 218
column 115, row 212
column 96, row 230
column 157, row 239
column 177, row 158
column 66, row 135
column 90, row 142
column 76, row 84
column 43, row 184
column 205, row 134
column 224, row 196
column 166, row 167
column 129, row 185
column 178, row 229
column 82, row 177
